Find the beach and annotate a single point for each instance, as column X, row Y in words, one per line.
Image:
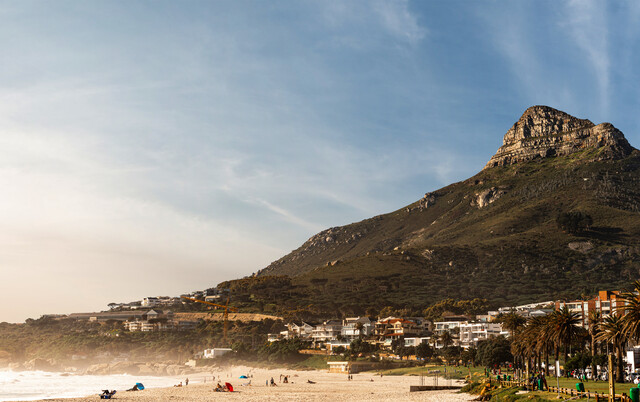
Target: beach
column 327, row 387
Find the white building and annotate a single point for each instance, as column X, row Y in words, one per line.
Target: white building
column 356, row 327
column 215, row 352
column 473, row 332
column 408, row 342
column 327, row 331
column 303, row 330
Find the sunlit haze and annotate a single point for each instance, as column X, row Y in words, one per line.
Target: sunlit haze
column 154, row 148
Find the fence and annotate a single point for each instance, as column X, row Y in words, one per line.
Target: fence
column 598, row 397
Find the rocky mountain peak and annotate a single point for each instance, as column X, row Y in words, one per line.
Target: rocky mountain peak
column 543, row 132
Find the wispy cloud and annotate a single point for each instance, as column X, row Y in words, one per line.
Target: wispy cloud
column 586, row 21
column 399, row 21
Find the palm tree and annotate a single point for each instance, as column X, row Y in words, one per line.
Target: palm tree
column 565, row 324
column 630, row 310
column 545, row 337
column 512, row 321
column 612, row 331
column 595, row 317
column 446, row 339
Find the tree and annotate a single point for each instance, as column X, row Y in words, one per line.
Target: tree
column 406, row 351
column 452, row 353
column 512, row 321
column 358, row 346
column 469, row 356
column 446, row 339
column 424, row 351
column 579, row 361
column 630, row 311
column 574, row 222
column 565, row 324
column 594, row 323
column 494, row 351
column 612, row 331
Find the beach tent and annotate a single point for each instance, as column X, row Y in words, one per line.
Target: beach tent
column 229, row 386
column 140, row 386
column 243, row 376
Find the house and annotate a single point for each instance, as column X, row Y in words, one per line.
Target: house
column 351, row 367
column 473, row 332
column 606, row 303
column 150, row 302
column 327, row 331
column 338, row 367
column 395, row 328
column 277, row 337
column 215, row 352
column 356, row 327
column 409, row 342
column 304, row 330
column 331, row 345
column 439, row 327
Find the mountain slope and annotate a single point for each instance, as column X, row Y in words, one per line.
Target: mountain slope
column 494, row 235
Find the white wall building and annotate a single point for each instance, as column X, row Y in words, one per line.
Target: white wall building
column 215, row 352
column 473, row 332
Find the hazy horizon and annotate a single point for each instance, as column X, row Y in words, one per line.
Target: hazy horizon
column 155, row 148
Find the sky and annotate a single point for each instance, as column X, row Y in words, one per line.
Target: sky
column 154, row 148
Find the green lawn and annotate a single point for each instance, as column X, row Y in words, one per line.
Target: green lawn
column 600, row 386
column 477, row 374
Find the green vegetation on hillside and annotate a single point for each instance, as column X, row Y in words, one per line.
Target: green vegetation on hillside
column 509, row 251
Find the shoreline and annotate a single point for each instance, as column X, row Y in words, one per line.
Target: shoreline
column 336, row 387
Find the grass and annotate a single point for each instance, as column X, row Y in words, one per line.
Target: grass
column 510, row 251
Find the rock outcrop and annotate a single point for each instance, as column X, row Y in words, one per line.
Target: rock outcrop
column 546, row 132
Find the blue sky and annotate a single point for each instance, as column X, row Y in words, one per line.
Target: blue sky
column 156, row 147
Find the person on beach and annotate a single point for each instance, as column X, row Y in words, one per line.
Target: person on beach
column 186, row 382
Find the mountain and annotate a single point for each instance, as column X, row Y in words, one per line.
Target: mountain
column 494, row 236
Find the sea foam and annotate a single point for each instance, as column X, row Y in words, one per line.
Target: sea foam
column 33, row 385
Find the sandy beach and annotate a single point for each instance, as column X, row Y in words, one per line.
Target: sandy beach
column 328, row 386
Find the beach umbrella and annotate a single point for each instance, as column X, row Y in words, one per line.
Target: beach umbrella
column 243, row 376
column 140, row 386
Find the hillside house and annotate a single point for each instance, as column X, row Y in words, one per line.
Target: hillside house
column 303, row 331
column 356, row 327
column 325, row 332
column 473, row 332
column 395, row 328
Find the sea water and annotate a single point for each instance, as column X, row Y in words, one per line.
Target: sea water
column 32, row 385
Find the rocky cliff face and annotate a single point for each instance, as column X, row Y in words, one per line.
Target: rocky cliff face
column 546, row 132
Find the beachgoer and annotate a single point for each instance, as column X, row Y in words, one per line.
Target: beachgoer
column 186, row 382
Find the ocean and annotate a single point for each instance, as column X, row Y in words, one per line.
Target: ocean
column 33, row 385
